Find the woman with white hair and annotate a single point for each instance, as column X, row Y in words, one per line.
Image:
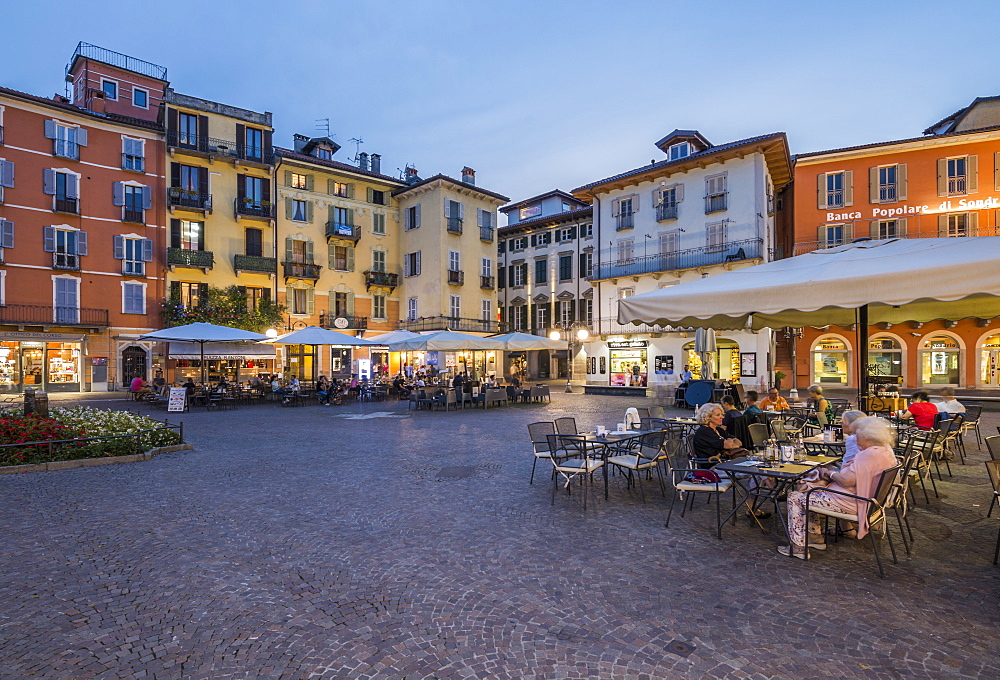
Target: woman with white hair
column 875, row 440
column 712, row 440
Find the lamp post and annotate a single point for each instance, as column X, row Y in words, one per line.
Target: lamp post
column 572, row 336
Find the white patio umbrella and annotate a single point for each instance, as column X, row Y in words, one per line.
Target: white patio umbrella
column 201, row 333
column 886, row 281
column 315, row 336
column 704, row 345
column 393, row 336
column 444, row 341
column 526, row 341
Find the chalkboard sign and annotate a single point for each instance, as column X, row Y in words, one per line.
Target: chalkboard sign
column 177, row 401
column 663, row 364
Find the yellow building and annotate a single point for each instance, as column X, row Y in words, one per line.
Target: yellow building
column 221, row 221
column 339, row 247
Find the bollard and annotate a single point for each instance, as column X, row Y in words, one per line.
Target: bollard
column 29, row 400
column 42, row 403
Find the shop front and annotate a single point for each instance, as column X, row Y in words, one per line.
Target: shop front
column 340, row 363
column 940, row 361
column 989, row 361
column 830, row 361
column 234, row 361
column 724, row 361
column 628, row 362
column 44, row 361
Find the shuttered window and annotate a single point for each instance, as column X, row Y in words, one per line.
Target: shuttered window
column 133, row 298
column 958, row 176
column 887, row 183
column 835, row 189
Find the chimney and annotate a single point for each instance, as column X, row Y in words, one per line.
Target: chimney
column 468, row 175
column 377, row 163
column 411, row 175
column 363, row 160
column 98, row 104
column 299, row 141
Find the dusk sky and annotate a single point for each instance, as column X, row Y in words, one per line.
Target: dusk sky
column 538, row 95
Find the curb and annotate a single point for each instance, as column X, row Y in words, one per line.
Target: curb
column 91, row 462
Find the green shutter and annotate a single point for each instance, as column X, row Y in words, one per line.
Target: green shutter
column 309, row 252
column 350, row 259
column 289, row 208
column 289, row 251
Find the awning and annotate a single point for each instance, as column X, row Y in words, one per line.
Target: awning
column 221, row 350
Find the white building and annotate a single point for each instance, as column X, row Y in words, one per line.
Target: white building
column 704, row 209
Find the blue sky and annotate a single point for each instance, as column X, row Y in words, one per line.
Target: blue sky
column 544, row 94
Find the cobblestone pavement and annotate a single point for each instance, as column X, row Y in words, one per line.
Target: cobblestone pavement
column 300, row 543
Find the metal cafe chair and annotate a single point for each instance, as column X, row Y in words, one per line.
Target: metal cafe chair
column 569, row 457
column 538, row 433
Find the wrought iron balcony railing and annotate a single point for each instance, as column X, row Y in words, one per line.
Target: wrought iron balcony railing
column 612, row 327
column 184, row 198
column 440, row 323
column 375, row 279
column 886, row 193
column 455, row 225
column 715, row 203
column 197, row 259
column 68, row 261
column 666, row 211
column 67, row 205
column 302, row 270
column 345, row 231
column 220, row 147
column 133, row 215
column 956, row 186
column 487, row 234
column 733, row 251
column 625, row 221
column 487, row 282
column 341, row 322
column 247, row 208
column 456, row 277
column 255, row 263
column 45, row 314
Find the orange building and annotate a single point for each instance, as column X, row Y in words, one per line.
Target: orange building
column 943, row 184
column 81, row 209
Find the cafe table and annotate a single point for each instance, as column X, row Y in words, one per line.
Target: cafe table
column 816, row 443
column 602, row 444
column 784, row 476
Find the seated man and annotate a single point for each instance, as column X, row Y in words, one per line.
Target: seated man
column 730, row 413
column 948, row 403
column 752, row 409
column 773, row 401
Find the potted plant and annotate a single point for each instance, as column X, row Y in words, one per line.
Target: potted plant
column 778, row 377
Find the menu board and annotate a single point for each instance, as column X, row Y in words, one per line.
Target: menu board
column 177, row 401
column 663, row 364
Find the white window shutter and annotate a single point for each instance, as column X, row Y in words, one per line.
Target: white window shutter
column 679, row 192
column 479, row 217
column 49, row 181
column 81, row 243
column 6, row 234
column 118, row 193
column 119, row 246
column 147, row 250
column 446, row 202
column 635, row 203
column 418, row 216
column 417, row 264
column 615, row 208
column 7, row 174
column 461, row 211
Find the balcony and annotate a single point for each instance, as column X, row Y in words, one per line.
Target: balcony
column 803, row 247
column 456, row 277
column 441, row 323
column 190, row 200
column 454, row 225
column 956, row 186
column 487, row 282
column 67, row 261
column 666, row 211
column 339, row 322
column 249, row 208
column 344, row 231
column 375, row 279
column 487, row 234
column 886, row 193
column 834, row 199
column 132, row 215
column 196, row 259
column 612, row 327
column 254, row 263
column 45, row 315
column 220, row 148
column 133, row 163
column 733, row 251
column 302, row 270
column 715, row 203
column 625, row 221
column 67, row 205
column 133, row 268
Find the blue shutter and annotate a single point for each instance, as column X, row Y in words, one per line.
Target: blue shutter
column 50, row 129
column 6, row 234
column 49, row 239
column 147, row 250
column 81, row 243
column 118, row 193
column 147, row 198
column 81, row 137
column 7, row 174
column 49, row 181
column 119, row 247
column 72, row 186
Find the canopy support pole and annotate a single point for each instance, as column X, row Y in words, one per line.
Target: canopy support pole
column 862, row 339
column 202, row 345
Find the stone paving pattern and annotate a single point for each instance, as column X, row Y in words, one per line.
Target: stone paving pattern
column 297, row 543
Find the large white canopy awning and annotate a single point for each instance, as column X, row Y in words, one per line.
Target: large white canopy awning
column 898, row 279
column 445, row 341
column 221, row 350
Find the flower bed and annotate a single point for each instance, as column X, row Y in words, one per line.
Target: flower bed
column 78, row 422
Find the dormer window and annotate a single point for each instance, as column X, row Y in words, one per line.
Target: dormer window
column 532, row 211
column 322, row 153
column 678, row 151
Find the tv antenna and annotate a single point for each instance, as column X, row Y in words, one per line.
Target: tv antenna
column 357, row 146
column 323, row 125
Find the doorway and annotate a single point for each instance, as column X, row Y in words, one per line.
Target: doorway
column 133, row 364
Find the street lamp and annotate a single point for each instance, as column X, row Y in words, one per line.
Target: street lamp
column 581, row 335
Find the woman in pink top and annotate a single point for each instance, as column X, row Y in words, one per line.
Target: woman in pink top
column 860, row 477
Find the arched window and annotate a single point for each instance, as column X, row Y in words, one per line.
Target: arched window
column 725, row 361
column 831, row 361
column 940, row 359
column 989, row 361
column 886, row 356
